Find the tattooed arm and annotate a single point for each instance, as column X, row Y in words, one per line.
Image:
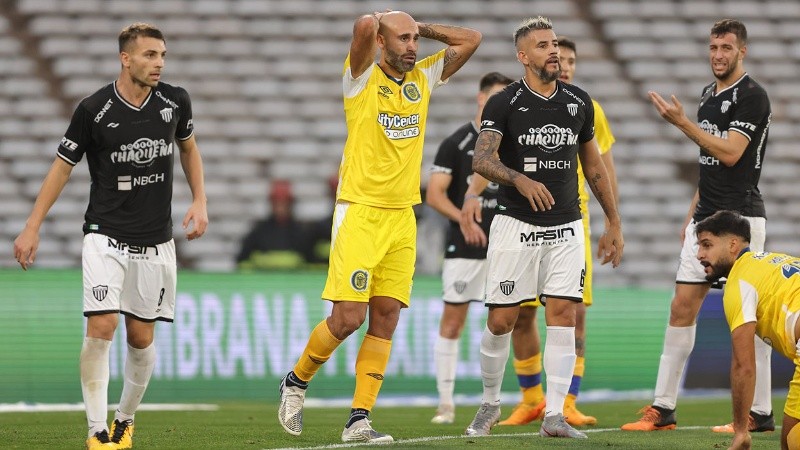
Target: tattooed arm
column 462, row 43
column 486, row 162
column 726, row 150
column 596, row 175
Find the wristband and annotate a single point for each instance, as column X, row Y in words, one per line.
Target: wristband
column 471, row 196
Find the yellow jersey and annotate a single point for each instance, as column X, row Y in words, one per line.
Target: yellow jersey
column 764, row 288
column 602, row 132
column 385, row 133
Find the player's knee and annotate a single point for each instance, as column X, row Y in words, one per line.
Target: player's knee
column 681, row 313
column 102, row 326
column 500, row 324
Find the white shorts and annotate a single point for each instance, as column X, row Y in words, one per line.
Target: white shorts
column 463, row 280
column 527, row 261
column 690, row 271
column 133, row 280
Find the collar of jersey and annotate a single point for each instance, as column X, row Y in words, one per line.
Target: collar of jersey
column 398, row 81
column 128, row 104
column 555, row 91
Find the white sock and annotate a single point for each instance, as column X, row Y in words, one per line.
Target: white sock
column 678, row 345
column 559, row 362
column 762, row 400
column 138, row 368
column 445, row 356
column 94, row 382
column 494, row 356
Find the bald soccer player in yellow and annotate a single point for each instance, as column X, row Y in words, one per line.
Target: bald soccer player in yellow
column 762, row 297
column 373, row 237
column 525, row 337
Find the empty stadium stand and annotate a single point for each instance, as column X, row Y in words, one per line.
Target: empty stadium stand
column 264, row 76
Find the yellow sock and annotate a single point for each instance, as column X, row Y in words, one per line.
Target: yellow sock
column 529, row 374
column 373, row 356
column 577, row 376
column 319, row 348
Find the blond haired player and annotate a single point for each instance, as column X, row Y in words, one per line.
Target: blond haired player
column 761, row 299
column 373, row 238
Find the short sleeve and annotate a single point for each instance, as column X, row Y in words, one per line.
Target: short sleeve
column 587, row 132
column 740, row 300
column 432, row 67
column 445, row 160
column 495, row 113
column 751, row 111
column 78, row 138
column 185, row 128
column 602, row 131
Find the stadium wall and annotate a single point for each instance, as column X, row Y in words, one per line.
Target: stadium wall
column 235, row 335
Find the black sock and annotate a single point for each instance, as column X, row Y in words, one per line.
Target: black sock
column 293, row 381
column 357, row 414
column 664, row 411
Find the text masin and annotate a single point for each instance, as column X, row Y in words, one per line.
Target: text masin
column 547, row 237
column 143, row 151
column 550, row 137
column 399, row 127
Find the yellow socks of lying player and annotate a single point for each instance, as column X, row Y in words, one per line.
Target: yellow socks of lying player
column 370, row 366
column 529, row 374
column 319, row 348
column 577, row 376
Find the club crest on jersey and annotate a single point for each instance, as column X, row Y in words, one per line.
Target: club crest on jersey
column 411, row 92
column 572, row 108
column 166, row 114
column 99, row 292
column 725, row 105
column 359, row 280
column 507, row 287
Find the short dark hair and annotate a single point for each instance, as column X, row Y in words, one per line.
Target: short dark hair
column 725, row 222
column 566, row 42
column 733, row 26
column 134, row 30
column 492, row 79
column 533, row 23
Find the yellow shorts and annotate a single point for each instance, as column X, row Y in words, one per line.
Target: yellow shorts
column 792, row 406
column 587, row 279
column 373, row 252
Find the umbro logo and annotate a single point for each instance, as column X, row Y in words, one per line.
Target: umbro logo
column 386, row 90
column 112, row 125
column 377, row 376
column 523, row 109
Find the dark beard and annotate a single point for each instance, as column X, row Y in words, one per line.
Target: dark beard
column 545, row 76
column 397, row 63
column 721, row 270
column 727, row 73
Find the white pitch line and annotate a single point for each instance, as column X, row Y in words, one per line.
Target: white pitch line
column 461, row 436
column 66, row 407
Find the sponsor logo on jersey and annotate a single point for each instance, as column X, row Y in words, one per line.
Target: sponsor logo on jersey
column 745, row 125
column 523, row 109
column 166, row 114
column 572, row 108
column 706, row 160
column 399, row 127
column 507, row 287
column 359, row 280
column 713, row 129
column 103, row 111
column 166, row 100
column 516, row 96
column 577, row 99
column 384, row 91
column 69, row 144
column 487, row 123
column 128, row 182
column 546, row 237
column 550, row 138
column 142, row 152
column 99, row 292
column 411, row 92
column 725, row 105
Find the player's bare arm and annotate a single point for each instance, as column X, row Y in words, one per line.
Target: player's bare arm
column 462, row 43
column 608, row 162
column 486, row 162
column 471, row 212
column 364, row 45
column 192, row 164
column 743, row 379
column 727, row 151
column 599, row 182
column 26, row 244
column 436, row 196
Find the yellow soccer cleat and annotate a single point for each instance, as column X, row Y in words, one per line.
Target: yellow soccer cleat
column 577, row 418
column 99, row 441
column 525, row 413
column 122, row 434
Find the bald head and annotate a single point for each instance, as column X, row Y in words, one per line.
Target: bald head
column 395, row 21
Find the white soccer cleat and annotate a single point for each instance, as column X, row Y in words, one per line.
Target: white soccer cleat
column 445, row 414
column 290, row 411
column 486, row 417
column 361, row 431
column 557, row 426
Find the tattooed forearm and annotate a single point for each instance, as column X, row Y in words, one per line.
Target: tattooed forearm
column 451, row 56
column 602, row 192
column 486, row 163
column 435, row 32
